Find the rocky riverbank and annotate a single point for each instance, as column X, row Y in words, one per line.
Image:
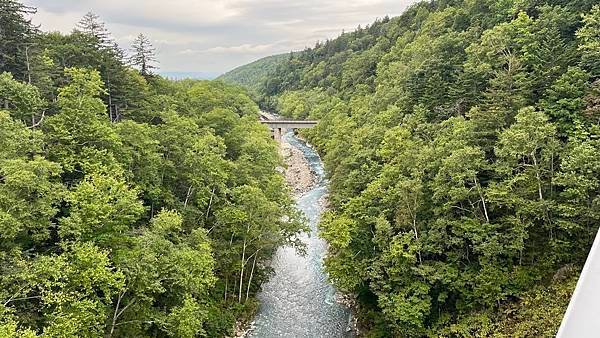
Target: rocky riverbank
column 298, row 173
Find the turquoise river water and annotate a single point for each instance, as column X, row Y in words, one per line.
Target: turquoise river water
column 297, row 301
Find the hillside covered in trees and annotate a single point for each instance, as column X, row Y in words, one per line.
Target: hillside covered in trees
column 253, row 75
column 130, row 205
column 462, row 142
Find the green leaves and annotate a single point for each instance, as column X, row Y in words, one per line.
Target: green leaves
column 80, row 137
column 84, row 85
column 22, row 100
column 30, row 190
column 590, row 41
column 101, row 209
column 336, row 230
column 70, row 292
column 461, row 145
column 29, row 197
column 565, row 100
column 16, row 141
column 530, row 134
column 186, row 320
column 165, row 263
column 113, row 227
column 408, row 308
column 17, row 31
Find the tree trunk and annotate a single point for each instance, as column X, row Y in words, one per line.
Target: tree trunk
column 417, row 237
column 251, row 274
column 28, row 65
column 414, row 224
column 235, row 283
column 226, row 286
column 212, row 195
column 227, row 280
column 539, row 179
column 551, row 176
column 116, row 314
column 242, row 272
column 487, row 219
column 110, row 106
column 187, row 197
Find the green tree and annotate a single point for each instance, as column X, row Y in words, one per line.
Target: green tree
column 22, row 100
column 91, row 25
column 31, row 190
column 80, row 137
column 102, row 209
column 143, row 55
column 17, row 34
column 590, row 41
column 564, row 101
column 169, row 271
column 70, row 292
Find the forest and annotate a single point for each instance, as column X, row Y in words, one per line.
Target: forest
column 462, row 144
column 130, row 205
column 252, row 75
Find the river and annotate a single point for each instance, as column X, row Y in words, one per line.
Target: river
column 298, row 301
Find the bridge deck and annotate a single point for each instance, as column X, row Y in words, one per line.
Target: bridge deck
column 288, row 124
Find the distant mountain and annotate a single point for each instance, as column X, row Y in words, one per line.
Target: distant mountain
column 253, row 74
column 189, row 75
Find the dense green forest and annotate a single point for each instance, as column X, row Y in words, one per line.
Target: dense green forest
column 130, row 205
column 462, row 142
column 253, row 75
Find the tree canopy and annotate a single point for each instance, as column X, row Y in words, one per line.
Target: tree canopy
column 461, row 140
column 130, row 205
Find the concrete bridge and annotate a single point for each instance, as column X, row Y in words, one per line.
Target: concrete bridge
column 278, row 126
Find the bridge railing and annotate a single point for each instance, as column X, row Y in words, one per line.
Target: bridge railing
column 289, row 124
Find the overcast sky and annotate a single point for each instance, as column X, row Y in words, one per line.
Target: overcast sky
column 215, row 36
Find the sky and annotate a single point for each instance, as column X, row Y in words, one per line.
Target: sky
column 214, row 36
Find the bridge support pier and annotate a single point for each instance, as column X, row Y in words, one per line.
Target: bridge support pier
column 278, row 134
column 279, row 126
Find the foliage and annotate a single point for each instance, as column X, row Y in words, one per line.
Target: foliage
column 130, row 205
column 17, row 36
column 252, row 75
column 461, row 143
column 143, row 55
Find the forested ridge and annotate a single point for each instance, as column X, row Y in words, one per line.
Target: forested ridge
column 130, row 206
column 462, row 142
column 252, row 75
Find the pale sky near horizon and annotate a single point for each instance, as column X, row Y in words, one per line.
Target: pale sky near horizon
column 219, row 35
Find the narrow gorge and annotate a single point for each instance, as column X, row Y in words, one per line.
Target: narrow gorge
column 298, row 301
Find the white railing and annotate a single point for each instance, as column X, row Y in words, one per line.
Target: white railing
column 582, row 319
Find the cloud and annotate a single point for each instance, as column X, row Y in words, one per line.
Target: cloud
column 215, row 36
